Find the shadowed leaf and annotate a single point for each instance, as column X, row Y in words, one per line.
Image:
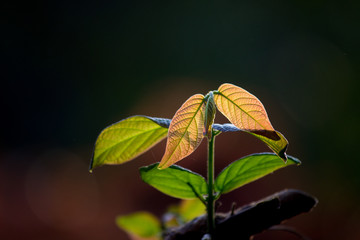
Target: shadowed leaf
column 247, row 113
column 190, row 209
column 185, row 131
column 174, row 181
column 248, row 169
column 140, row 224
column 127, row 139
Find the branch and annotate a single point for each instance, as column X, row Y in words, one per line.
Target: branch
column 249, row 219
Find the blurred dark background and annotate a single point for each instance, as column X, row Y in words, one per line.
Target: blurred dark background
column 70, row 68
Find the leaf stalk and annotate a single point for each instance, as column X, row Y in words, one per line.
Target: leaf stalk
column 210, row 177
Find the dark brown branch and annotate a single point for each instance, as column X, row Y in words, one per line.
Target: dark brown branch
column 250, row 219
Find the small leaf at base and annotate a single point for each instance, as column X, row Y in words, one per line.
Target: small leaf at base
column 140, row 224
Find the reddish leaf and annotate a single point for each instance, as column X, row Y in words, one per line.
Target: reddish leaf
column 185, row 131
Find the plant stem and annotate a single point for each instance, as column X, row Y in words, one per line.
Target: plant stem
column 210, row 172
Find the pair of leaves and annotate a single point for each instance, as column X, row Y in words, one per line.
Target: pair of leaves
column 196, row 115
column 125, row 140
column 182, row 183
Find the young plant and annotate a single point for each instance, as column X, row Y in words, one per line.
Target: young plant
column 194, row 121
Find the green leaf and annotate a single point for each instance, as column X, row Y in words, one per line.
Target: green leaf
column 185, row 211
column 127, row 139
column 248, row 169
column 140, row 224
column 247, row 113
column 174, row 181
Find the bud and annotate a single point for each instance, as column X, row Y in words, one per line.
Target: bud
column 210, row 110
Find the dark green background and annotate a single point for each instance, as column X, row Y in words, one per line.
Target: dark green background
column 70, row 69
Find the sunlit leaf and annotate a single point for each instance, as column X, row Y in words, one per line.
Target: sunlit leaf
column 174, row 181
column 248, row 169
column 185, row 131
column 247, row 113
column 140, row 224
column 125, row 140
column 210, row 110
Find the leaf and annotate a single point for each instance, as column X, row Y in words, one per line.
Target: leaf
column 185, row 211
column 140, row 224
column 127, row 139
column 247, row 113
column 190, row 209
column 185, row 131
column 174, row 181
column 248, row 169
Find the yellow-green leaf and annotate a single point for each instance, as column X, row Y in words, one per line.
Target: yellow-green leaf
column 125, row 140
column 185, row 131
column 246, row 112
column 141, row 225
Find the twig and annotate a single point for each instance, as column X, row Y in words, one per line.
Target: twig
column 250, row 219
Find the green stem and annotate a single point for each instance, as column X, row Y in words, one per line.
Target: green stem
column 210, row 177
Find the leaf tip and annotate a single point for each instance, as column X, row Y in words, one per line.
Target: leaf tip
column 295, row 160
column 162, row 166
column 91, row 165
column 282, row 153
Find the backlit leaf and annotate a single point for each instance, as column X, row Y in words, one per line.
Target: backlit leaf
column 248, row 169
column 140, row 224
column 125, row 140
column 185, row 131
column 174, row 181
column 247, row 113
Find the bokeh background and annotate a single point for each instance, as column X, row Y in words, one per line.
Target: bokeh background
column 71, row 68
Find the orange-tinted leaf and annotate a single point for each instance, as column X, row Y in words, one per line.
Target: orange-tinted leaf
column 247, row 113
column 185, row 131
